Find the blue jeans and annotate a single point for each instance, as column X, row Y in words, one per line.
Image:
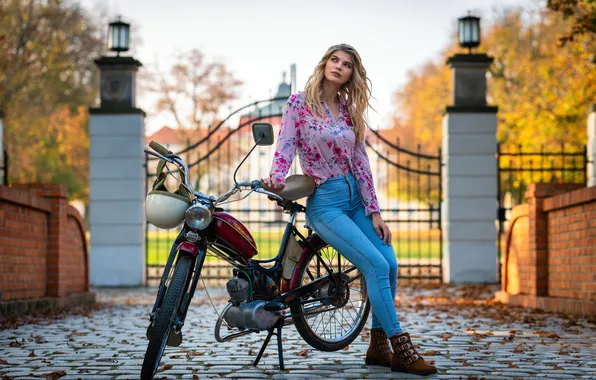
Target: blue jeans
column 336, row 213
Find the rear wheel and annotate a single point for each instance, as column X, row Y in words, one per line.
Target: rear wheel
column 165, row 318
column 332, row 317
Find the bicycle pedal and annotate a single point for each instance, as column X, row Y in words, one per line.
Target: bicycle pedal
column 174, row 339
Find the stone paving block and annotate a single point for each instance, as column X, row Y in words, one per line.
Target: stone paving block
column 394, row 375
column 240, row 375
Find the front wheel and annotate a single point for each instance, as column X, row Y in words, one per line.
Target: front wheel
column 332, row 317
column 164, row 320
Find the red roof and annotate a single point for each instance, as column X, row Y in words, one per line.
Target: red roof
column 168, row 136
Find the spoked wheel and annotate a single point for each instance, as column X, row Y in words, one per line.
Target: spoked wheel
column 332, row 317
column 165, row 318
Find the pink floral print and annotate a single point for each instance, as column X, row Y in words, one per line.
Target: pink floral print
column 326, row 148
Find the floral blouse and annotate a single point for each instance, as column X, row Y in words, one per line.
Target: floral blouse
column 326, row 148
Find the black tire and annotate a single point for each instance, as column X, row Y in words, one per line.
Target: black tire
column 307, row 325
column 164, row 320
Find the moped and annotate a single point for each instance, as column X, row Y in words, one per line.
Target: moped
column 307, row 284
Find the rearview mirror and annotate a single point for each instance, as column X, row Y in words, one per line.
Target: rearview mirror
column 262, row 133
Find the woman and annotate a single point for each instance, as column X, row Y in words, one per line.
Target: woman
column 326, row 124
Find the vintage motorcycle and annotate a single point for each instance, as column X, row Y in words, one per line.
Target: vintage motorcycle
column 308, row 284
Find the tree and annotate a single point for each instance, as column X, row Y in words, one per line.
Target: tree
column 583, row 13
column 46, row 75
column 194, row 90
column 543, row 92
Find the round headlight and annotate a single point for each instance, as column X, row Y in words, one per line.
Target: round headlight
column 198, row 217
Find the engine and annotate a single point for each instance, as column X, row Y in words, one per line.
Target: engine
column 248, row 315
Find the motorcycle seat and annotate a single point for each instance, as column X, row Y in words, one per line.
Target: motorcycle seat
column 297, row 186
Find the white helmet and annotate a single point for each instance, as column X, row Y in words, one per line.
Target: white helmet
column 165, row 209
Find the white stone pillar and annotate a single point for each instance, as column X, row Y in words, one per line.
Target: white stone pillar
column 592, row 147
column 117, row 185
column 470, row 176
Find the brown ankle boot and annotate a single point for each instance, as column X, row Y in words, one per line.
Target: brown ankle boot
column 378, row 352
column 406, row 359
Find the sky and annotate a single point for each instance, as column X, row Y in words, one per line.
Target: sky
column 259, row 39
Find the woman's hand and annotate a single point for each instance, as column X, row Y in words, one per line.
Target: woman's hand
column 273, row 185
column 381, row 228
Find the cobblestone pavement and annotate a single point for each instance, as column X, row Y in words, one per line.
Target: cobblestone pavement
column 467, row 337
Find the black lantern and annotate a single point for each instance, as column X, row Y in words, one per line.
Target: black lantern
column 469, row 31
column 118, row 36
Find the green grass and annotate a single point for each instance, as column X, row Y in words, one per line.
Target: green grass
column 407, row 245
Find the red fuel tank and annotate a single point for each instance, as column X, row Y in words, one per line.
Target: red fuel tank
column 232, row 236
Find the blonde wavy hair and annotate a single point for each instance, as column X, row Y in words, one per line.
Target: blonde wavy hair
column 356, row 91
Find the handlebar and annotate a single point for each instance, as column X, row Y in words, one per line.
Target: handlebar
column 159, row 148
column 165, row 154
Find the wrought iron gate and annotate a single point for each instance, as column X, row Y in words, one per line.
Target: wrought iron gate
column 517, row 168
column 408, row 185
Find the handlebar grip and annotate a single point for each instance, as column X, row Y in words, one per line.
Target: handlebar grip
column 159, row 148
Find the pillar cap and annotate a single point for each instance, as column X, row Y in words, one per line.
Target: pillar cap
column 116, row 111
column 471, row 109
column 105, row 62
column 467, row 59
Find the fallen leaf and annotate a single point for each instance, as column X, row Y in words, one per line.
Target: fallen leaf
column 446, row 336
column 303, row 353
column 430, row 353
column 511, row 365
column 556, row 367
column 51, row 375
column 2, row 361
column 32, row 354
column 166, row 367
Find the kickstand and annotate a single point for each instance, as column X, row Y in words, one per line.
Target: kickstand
column 277, row 327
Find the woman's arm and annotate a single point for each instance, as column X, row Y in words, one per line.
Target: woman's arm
column 289, row 134
column 364, row 179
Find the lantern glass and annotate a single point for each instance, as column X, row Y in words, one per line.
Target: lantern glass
column 118, row 36
column 469, row 31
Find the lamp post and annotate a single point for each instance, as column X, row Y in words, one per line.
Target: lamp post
column 468, row 29
column 117, row 131
column 118, row 36
column 469, row 176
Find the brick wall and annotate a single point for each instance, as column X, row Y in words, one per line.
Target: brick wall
column 571, row 219
column 23, row 244
column 550, row 250
column 43, row 248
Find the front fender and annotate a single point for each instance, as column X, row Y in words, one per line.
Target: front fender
column 188, row 247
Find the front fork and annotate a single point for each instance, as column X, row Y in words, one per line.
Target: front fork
column 199, row 251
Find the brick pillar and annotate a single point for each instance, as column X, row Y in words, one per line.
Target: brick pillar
column 537, row 239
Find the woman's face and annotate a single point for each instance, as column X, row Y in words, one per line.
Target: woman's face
column 339, row 67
